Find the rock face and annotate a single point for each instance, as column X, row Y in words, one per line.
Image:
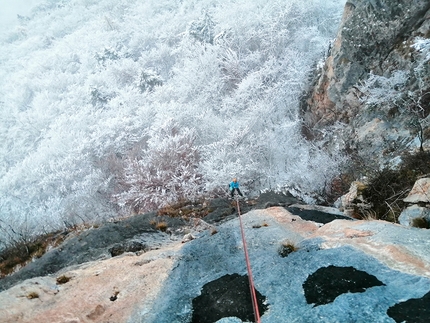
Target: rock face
column 352, row 200
column 137, row 234
column 99, row 291
column 132, row 234
column 380, row 270
column 374, row 38
column 412, row 215
column 417, row 214
column 420, row 192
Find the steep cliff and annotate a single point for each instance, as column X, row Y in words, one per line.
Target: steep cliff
column 371, row 95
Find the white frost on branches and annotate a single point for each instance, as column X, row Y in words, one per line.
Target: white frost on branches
column 167, row 171
column 379, row 89
column 423, row 46
column 87, row 86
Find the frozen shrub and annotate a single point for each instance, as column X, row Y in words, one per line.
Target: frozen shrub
column 387, row 188
column 149, row 80
column 203, row 29
column 286, row 248
column 166, row 173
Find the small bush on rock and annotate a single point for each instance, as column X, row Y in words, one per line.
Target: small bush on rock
column 153, row 222
column 62, row 279
column 162, row 226
column 286, row 248
column 22, row 252
column 185, row 209
column 181, row 208
column 32, row 295
column 387, row 188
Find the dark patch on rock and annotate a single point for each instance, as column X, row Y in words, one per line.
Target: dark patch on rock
column 327, row 283
column 129, row 246
column 316, row 216
column 269, row 199
column 114, row 297
column 228, row 296
column 225, row 209
column 219, row 203
column 220, row 209
column 412, row 311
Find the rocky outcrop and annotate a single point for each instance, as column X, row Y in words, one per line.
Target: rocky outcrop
column 139, row 234
column 135, row 233
column 353, row 201
column 379, row 272
column 416, row 216
column 420, row 193
column 374, row 38
column 418, row 213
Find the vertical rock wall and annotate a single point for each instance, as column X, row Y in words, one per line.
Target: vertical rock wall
column 375, row 36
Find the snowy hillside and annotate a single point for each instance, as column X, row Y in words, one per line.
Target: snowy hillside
column 109, row 107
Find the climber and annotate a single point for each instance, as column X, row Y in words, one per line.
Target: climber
column 234, row 185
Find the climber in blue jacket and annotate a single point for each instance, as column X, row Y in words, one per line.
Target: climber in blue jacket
column 234, row 185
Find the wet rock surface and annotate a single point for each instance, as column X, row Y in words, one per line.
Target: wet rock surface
column 227, row 296
column 315, row 215
column 220, row 209
column 327, row 283
column 129, row 246
column 270, row 199
column 414, row 310
column 134, row 234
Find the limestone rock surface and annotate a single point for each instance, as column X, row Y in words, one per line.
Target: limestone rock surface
column 420, row 192
column 413, row 212
column 160, row 285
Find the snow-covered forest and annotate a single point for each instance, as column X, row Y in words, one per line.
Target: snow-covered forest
column 112, row 107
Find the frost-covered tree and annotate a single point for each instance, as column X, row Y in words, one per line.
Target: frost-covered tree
column 203, row 29
column 404, row 91
column 379, row 89
column 83, row 82
column 165, row 173
column 148, row 80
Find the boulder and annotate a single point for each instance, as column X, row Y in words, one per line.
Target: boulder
column 412, row 214
column 420, row 192
column 352, row 200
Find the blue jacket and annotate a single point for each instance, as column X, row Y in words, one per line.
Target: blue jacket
column 234, row 185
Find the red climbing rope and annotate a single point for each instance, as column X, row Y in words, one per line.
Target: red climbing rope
column 248, row 267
